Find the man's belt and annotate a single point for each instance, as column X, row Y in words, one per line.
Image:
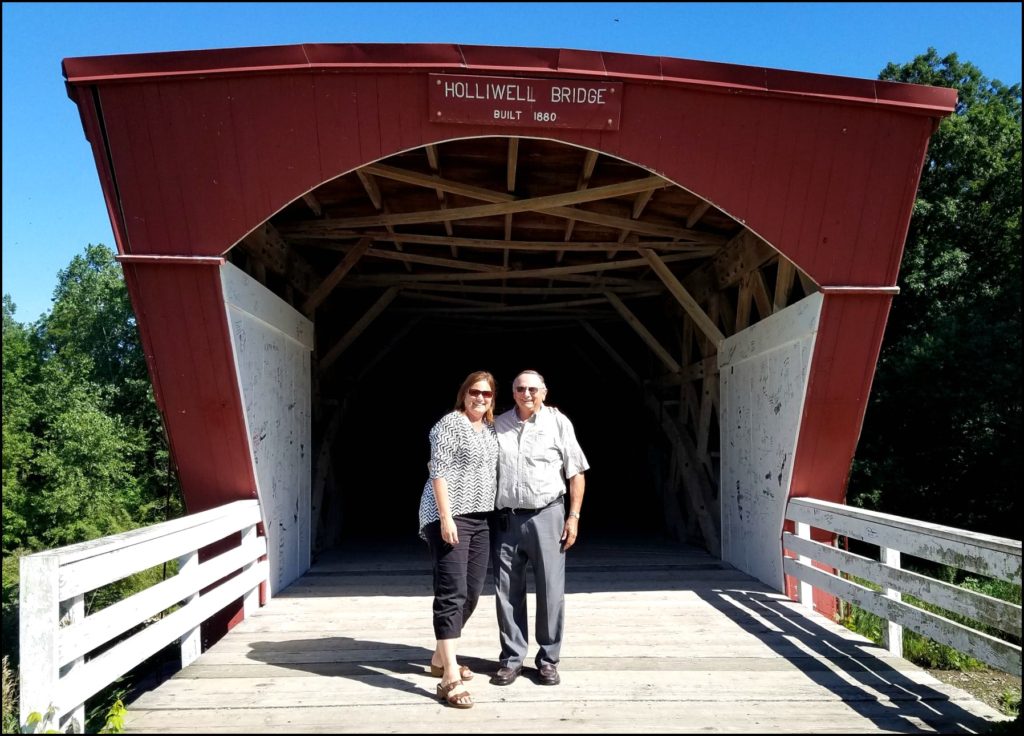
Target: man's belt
column 525, row 511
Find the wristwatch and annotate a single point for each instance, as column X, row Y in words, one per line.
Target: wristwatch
column 574, row 514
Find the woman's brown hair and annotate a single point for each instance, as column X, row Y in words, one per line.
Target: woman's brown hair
column 460, row 400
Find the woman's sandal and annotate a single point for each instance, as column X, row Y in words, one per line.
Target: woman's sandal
column 464, row 672
column 455, row 700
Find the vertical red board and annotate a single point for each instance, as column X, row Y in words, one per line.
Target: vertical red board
column 842, row 368
column 186, row 339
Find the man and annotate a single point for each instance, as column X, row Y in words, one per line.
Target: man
column 538, row 451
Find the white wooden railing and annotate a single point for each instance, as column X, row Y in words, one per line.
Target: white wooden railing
column 60, row 668
column 993, row 557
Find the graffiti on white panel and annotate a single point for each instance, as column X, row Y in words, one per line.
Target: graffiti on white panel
column 763, row 372
column 272, row 345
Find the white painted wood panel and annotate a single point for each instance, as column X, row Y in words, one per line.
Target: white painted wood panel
column 763, row 374
column 272, row 344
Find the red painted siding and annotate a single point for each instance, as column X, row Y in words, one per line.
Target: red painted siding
column 185, row 336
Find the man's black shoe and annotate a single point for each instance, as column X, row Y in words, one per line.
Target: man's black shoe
column 506, row 675
column 548, row 675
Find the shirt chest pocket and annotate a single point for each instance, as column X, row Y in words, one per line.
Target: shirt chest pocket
column 543, row 450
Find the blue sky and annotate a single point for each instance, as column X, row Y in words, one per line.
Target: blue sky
column 52, row 203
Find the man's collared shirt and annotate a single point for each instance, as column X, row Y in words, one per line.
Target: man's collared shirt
column 535, row 458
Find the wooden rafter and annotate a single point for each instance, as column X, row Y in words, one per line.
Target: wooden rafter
column 626, row 234
column 783, row 284
column 642, row 198
column 652, row 342
column 695, row 490
column 442, row 299
column 510, row 186
column 268, row 246
column 706, row 325
column 692, row 372
column 612, row 352
column 744, row 301
column 488, row 195
column 513, row 161
column 460, row 264
column 516, row 245
column 589, row 162
column 313, row 203
column 539, row 306
column 530, row 204
column 743, row 253
column 637, row 290
column 808, row 284
column 434, row 161
column 357, row 329
column 558, row 271
column 698, row 212
column 373, row 192
column 334, row 278
column 760, row 292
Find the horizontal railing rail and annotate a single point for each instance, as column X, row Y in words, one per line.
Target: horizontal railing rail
column 61, row 667
column 981, row 554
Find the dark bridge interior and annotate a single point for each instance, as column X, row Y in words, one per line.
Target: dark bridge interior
column 383, row 447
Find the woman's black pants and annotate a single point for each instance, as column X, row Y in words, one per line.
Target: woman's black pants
column 459, row 572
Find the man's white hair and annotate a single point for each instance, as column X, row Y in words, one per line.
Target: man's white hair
column 543, row 383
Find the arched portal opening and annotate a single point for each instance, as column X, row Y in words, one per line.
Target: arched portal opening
column 504, row 253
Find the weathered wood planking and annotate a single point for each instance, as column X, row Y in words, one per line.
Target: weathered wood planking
column 659, row 638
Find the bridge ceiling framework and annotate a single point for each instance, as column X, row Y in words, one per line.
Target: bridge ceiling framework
column 501, row 234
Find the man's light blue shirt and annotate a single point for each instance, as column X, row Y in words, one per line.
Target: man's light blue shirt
column 536, row 456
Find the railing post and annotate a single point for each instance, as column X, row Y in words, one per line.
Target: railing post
column 39, row 617
column 803, row 530
column 191, row 642
column 250, row 601
column 72, row 611
column 893, row 632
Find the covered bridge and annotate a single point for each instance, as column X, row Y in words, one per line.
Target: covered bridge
column 320, row 241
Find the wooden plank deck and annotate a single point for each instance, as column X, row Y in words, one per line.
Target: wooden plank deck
column 659, row 638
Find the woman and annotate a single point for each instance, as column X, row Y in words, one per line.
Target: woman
column 454, row 510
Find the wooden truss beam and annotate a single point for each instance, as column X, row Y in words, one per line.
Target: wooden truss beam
column 520, row 245
column 487, row 195
column 373, row 192
column 334, row 278
column 434, row 161
column 706, row 325
column 698, row 212
column 589, row 162
column 266, row 245
column 634, row 290
column 530, row 204
column 696, row 492
column 555, row 271
column 645, row 335
column 357, row 329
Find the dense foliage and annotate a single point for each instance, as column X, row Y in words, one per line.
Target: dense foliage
column 941, row 436
column 84, row 454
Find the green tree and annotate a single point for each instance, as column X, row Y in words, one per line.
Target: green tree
column 85, row 454
column 940, row 439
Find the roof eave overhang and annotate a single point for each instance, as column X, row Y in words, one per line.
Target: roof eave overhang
column 705, row 75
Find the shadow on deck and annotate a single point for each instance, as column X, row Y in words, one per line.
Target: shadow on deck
column 659, row 637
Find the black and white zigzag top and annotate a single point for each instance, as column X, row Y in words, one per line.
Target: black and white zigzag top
column 467, row 460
